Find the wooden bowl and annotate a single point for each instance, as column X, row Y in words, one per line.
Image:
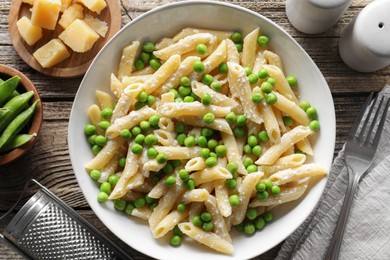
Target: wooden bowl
column 24, row 85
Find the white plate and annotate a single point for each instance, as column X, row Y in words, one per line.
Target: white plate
column 165, row 21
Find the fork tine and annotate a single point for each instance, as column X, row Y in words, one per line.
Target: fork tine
column 361, row 135
column 355, row 126
column 381, row 124
column 375, row 109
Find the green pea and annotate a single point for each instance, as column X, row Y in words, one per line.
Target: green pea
column 139, row 64
column 119, row 204
column 206, row 99
column 150, row 140
column 91, row 139
column 234, row 200
column 205, row 216
column 122, row 161
column 189, row 141
column 268, row 183
column 174, row 91
column 236, row 37
column 262, row 195
column 198, row 66
column 271, row 81
column 239, row 131
column 105, row 187
column 251, row 168
column 201, row 49
column 240, row 227
column 188, row 99
column 162, row 158
column 263, row 40
column 263, row 136
column 223, row 68
column 181, row 207
column 247, row 149
column 216, row 86
column 207, row 132
column 304, row 104
column 249, row 228
column 211, row 162
column 231, row 118
column 152, row 153
column 247, row 161
column 253, row 78
column 184, row 91
column 263, row 73
column 288, row 121
column 184, row 175
column 151, row 100
column 275, row 190
column 145, row 57
column 292, row 80
column 231, row 184
column 89, row 129
column 180, row 138
column 208, row 118
column 221, row 150
column 175, row 163
column 241, row 120
column 95, row 174
column 113, row 179
column 170, row 181
column 190, row 184
column 268, row 216
column 180, row 127
column 257, row 150
column 154, row 121
column 271, row 98
column 311, row 112
column 149, row 200
column 257, row 98
column 314, row 125
column 185, row 81
column 104, row 124
column 175, row 240
column 100, row 140
column 96, row 149
column 207, row 79
column 202, row 141
column 248, row 71
column 155, row 64
column 137, row 148
column 252, row 140
column 142, row 96
column 136, row 130
column 266, row 87
column 148, row 47
column 139, row 203
column 178, row 100
column 208, row 226
column 138, row 105
column 232, row 167
column 197, row 221
column 168, row 168
column 239, row 47
column 129, row 208
column 102, row 197
column 212, row 154
column 125, row 133
column 176, row 231
column 261, row 186
column 205, row 153
column 139, row 139
column 251, row 213
column 144, row 125
column 212, row 143
column 259, row 223
column 194, row 96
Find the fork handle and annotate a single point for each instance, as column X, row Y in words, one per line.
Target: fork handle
column 334, row 248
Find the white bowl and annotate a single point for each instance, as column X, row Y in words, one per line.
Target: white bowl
column 165, row 21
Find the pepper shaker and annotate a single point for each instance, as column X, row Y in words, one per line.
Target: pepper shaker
column 315, row 16
column 365, row 44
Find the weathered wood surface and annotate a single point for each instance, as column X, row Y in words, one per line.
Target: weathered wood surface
column 49, row 162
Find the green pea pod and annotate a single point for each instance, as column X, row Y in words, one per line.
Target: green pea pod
column 7, row 88
column 3, row 112
column 15, row 105
column 18, row 141
column 17, row 125
column 1, row 81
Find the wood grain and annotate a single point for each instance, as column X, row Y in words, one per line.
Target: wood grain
column 78, row 63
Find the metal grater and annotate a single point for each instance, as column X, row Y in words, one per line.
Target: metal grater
column 46, row 228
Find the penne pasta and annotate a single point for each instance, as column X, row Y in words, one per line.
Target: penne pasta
column 127, row 59
column 294, row 174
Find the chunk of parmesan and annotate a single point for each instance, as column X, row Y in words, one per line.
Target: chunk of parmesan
column 29, row 32
column 72, row 13
column 51, row 53
column 94, row 5
column 79, row 36
column 97, row 25
column 45, row 13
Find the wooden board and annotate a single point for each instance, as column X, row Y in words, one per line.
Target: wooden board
column 78, row 63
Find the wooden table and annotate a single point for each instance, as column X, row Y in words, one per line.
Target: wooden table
column 49, row 163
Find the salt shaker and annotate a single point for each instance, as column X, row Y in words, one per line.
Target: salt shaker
column 315, row 16
column 365, row 44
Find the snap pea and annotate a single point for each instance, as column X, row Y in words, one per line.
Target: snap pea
column 3, row 112
column 18, row 141
column 14, row 94
column 7, row 88
column 17, row 125
column 15, row 106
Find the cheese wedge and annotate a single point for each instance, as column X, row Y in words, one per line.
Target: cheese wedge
column 29, row 32
column 94, row 5
column 51, row 53
column 72, row 13
column 45, row 13
column 79, row 36
column 97, row 25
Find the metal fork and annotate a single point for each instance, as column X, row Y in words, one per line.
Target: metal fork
column 359, row 152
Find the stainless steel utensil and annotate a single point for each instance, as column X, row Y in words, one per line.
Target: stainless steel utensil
column 360, row 149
